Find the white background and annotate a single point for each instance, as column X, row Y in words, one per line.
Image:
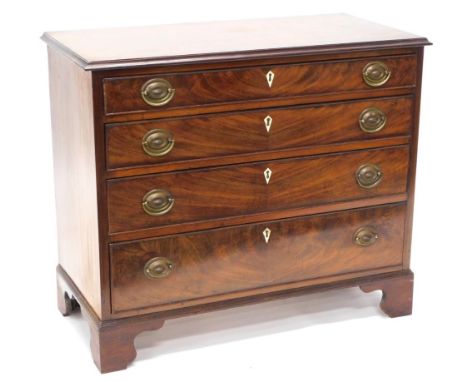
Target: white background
column 333, row 336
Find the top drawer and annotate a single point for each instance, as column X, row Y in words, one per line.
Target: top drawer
column 172, row 91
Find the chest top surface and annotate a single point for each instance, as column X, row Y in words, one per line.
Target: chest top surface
column 198, row 42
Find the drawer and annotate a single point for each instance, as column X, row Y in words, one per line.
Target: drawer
column 185, row 269
column 220, row 135
column 197, row 195
column 182, row 90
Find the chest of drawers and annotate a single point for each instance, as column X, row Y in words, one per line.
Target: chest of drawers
column 206, row 166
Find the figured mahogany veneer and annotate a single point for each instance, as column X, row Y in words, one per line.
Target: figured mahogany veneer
column 240, row 259
column 189, row 179
column 220, row 135
column 122, row 95
column 242, row 189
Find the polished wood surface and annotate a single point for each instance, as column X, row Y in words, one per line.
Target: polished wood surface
column 71, row 103
column 214, row 234
column 154, row 71
column 258, row 217
column 240, row 190
column 397, row 294
column 112, row 346
column 122, row 331
column 258, row 156
column 111, row 342
column 234, row 134
column 123, row 95
column 260, row 104
column 413, row 162
column 212, row 263
column 66, row 301
column 168, row 44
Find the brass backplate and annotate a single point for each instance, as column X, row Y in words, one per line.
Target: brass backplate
column 157, row 92
column 158, row 267
column 157, row 202
column 157, row 142
column 365, row 236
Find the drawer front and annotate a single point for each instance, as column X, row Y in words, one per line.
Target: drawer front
column 167, row 91
column 185, row 269
column 219, row 135
column 197, row 195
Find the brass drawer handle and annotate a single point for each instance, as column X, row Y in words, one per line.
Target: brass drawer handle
column 372, row 120
column 369, row 175
column 376, row 73
column 158, row 202
column 157, row 142
column 158, row 267
column 365, row 236
column 157, row 92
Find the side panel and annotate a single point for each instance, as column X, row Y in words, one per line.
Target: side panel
column 75, row 175
column 411, row 184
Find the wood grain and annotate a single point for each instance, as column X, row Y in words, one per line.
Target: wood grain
column 413, row 163
column 226, row 40
column 261, row 104
column 112, row 346
column 258, row 156
column 397, row 294
column 264, row 60
column 242, row 190
column 123, row 95
column 127, row 327
column 214, row 233
column 75, row 174
column 213, row 263
column 233, row 134
column 254, row 218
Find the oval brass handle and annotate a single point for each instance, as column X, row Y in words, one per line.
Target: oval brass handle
column 369, row 175
column 372, row 120
column 157, row 142
column 365, row 236
column 158, row 267
column 157, row 92
column 376, row 73
column 158, row 202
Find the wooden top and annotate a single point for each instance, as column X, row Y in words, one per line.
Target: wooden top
column 225, row 40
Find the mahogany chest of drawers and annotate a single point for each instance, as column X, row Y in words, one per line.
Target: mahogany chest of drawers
column 205, row 166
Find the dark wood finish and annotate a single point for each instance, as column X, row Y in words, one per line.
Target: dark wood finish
column 220, row 203
column 145, row 322
column 66, row 302
column 234, row 134
column 123, row 95
column 264, row 60
column 101, row 194
column 226, row 40
column 246, row 63
column 71, row 102
column 413, row 162
column 112, row 346
column 261, row 104
column 258, row 156
column 229, row 260
column 259, row 217
column 240, row 190
column 111, row 342
column 397, row 294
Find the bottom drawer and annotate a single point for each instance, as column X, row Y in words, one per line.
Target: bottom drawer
column 186, row 269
